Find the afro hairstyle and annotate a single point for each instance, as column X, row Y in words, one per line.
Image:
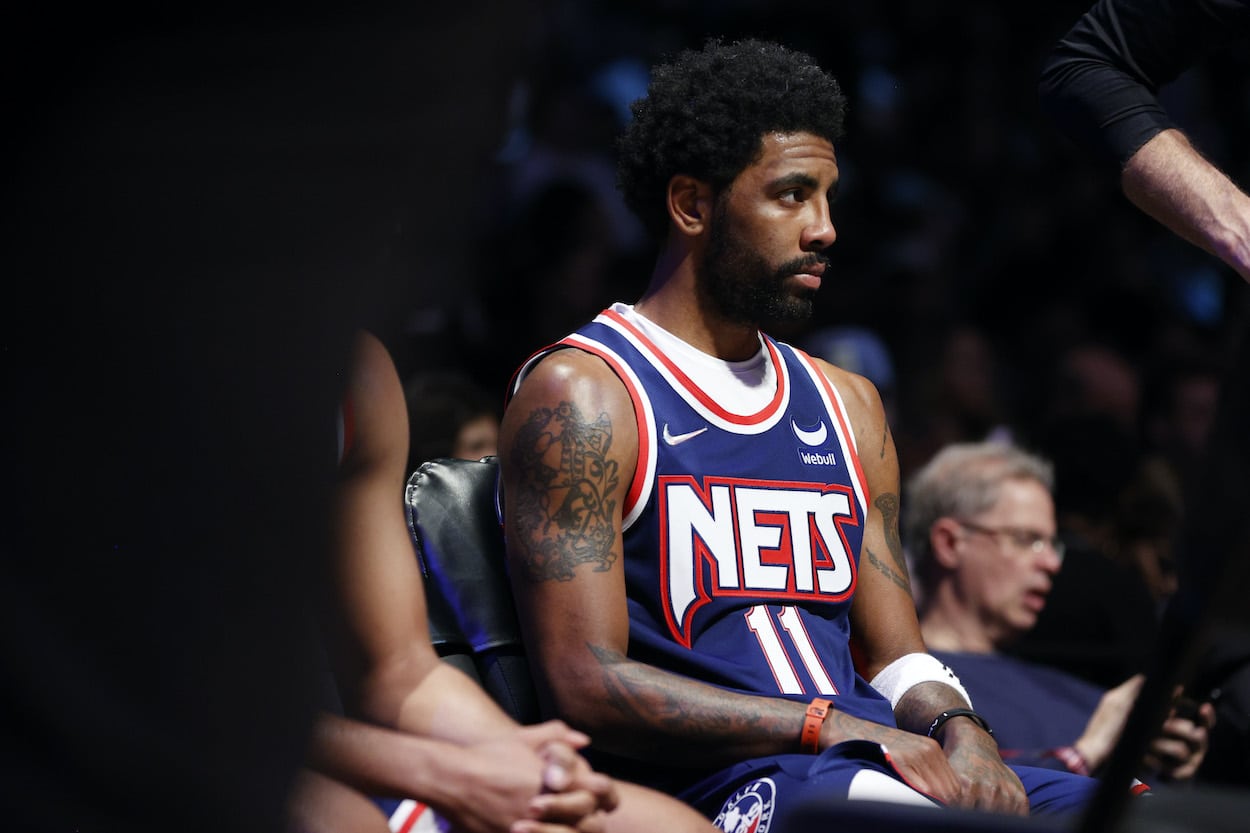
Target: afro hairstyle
column 706, row 113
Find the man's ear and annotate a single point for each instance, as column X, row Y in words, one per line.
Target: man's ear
column 689, row 204
column 943, row 536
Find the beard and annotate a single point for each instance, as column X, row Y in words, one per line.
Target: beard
column 742, row 286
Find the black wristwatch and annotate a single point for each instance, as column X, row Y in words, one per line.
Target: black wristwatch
column 949, row 713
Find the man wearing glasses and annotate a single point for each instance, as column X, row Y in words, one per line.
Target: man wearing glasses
column 979, row 526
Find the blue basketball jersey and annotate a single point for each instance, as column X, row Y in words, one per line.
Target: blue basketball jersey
column 741, row 531
column 741, row 536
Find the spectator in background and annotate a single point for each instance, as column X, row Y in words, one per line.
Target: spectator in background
column 979, row 523
column 449, row 415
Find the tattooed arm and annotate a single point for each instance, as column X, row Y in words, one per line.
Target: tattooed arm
column 568, row 444
column 568, row 448
column 883, row 616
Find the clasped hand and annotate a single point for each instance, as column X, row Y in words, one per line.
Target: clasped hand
column 533, row 781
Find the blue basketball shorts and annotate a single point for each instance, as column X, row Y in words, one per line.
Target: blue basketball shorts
column 751, row 794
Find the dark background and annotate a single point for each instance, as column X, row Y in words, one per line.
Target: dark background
column 201, row 204
column 973, row 240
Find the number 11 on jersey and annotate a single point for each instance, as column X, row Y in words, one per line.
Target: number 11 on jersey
column 760, row 621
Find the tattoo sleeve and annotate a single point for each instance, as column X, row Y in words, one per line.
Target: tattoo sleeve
column 566, row 492
column 691, row 722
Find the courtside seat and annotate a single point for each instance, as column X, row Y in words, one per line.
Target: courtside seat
column 452, row 515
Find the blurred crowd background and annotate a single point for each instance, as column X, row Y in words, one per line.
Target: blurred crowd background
column 985, row 275
column 991, row 280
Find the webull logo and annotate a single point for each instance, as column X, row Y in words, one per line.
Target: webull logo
column 818, row 458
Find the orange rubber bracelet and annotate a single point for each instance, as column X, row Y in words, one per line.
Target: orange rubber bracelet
column 817, row 711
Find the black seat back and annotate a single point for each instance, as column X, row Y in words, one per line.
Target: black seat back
column 455, row 525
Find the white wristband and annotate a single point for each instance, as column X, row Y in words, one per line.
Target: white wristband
column 911, row 669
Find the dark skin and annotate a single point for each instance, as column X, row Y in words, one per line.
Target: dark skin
column 569, row 443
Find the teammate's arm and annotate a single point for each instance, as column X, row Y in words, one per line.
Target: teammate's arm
column 432, row 725
column 391, row 674
column 487, row 786
column 883, row 618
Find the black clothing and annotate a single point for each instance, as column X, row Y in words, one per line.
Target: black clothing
column 1100, row 82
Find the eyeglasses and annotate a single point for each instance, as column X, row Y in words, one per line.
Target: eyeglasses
column 1021, row 539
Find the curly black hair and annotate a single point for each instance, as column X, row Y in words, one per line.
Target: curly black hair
column 706, row 112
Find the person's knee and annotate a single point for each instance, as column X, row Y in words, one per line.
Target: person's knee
column 320, row 804
column 642, row 808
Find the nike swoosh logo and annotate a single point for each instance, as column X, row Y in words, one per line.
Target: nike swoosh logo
column 814, row 437
column 678, row 439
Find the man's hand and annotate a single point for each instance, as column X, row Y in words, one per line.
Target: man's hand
column 1171, row 181
column 985, row 782
column 981, row 779
column 568, row 781
column 921, row 763
column 529, row 781
column 1175, row 753
column 1179, row 748
column 1107, row 722
column 964, row 770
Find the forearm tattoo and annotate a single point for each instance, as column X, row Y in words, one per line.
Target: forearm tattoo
column 566, row 492
column 889, row 505
column 667, row 702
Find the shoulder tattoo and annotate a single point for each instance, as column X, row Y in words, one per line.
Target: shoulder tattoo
column 566, row 492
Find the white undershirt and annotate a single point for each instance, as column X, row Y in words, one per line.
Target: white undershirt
column 743, row 388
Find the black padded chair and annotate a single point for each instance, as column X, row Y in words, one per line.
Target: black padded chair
column 452, row 515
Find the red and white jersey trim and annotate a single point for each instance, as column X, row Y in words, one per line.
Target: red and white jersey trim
column 697, row 397
column 644, row 417
column 414, row 817
column 744, row 424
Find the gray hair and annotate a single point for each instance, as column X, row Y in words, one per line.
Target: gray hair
column 961, row 481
